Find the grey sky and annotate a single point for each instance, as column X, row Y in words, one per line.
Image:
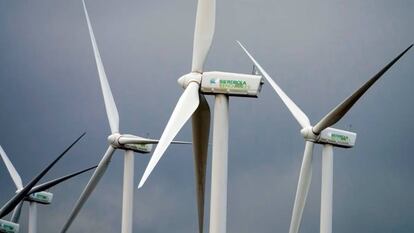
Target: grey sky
column 319, row 52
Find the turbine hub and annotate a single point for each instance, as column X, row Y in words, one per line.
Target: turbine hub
column 113, row 139
column 188, row 78
column 308, row 134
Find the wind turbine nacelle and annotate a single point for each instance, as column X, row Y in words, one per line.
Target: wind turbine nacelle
column 231, row 84
column 8, row 227
column 41, row 197
column 140, row 148
column 337, row 137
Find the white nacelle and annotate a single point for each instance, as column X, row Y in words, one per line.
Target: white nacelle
column 8, row 227
column 337, row 137
column 41, row 197
column 231, row 84
column 140, row 148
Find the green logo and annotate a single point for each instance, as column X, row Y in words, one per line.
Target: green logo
column 340, row 138
column 233, row 84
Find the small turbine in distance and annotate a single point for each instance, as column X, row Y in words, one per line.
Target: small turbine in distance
column 30, row 192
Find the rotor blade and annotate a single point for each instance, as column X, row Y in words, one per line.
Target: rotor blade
column 297, row 113
column 305, row 177
column 201, row 130
column 181, row 142
column 9, row 206
column 97, row 175
column 50, row 184
column 339, row 111
column 110, row 106
column 203, row 33
column 184, row 109
column 16, row 213
column 12, row 171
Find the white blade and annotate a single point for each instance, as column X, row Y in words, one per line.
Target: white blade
column 96, row 177
column 305, row 177
column 299, row 115
column 201, row 131
column 203, row 33
column 184, row 109
column 181, row 142
column 110, row 106
column 339, row 111
column 12, row 171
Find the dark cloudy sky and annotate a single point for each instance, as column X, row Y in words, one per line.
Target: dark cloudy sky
column 318, row 51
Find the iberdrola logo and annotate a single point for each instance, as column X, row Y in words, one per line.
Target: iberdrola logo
column 340, row 138
column 213, row 81
column 233, row 84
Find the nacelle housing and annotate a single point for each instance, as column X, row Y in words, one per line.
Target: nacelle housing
column 140, row 148
column 8, row 227
column 337, row 137
column 41, row 197
column 231, row 84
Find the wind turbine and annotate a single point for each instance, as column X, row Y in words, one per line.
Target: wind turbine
column 30, row 190
column 37, row 195
column 127, row 142
column 192, row 103
column 320, row 133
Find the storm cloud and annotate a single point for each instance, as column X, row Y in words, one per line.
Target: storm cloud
column 318, row 51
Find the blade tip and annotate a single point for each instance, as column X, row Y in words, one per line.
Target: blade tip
column 240, row 44
column 141, row 183
column 81, row 136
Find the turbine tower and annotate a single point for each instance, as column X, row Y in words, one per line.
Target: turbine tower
column 320, row 133
column 126, row 142
column 30, row 192
column 192, row 103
